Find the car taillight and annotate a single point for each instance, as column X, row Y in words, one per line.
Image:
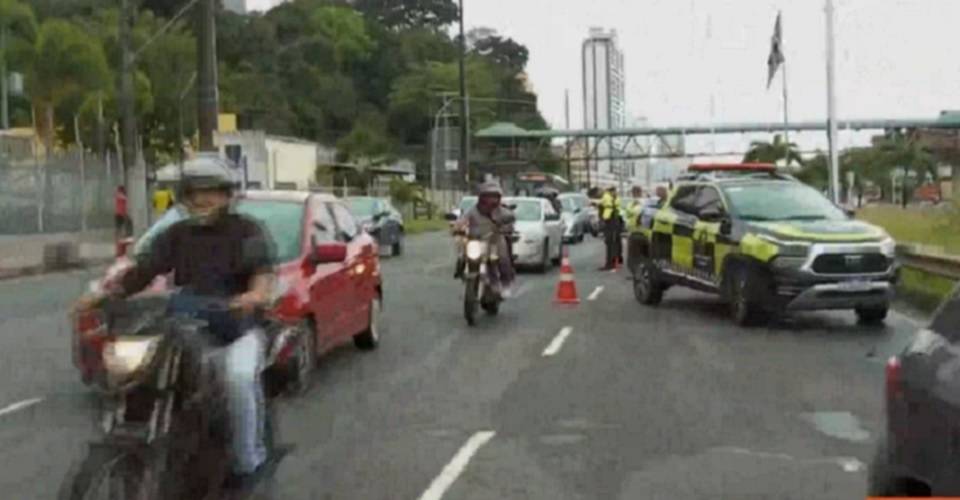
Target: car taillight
column 894, row 382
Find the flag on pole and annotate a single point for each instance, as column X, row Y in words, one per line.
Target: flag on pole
column 775, row 59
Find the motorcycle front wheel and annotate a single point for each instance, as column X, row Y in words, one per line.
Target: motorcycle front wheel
column 471, row 300
column 112, row 473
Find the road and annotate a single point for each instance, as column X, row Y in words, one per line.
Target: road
column 631, row 402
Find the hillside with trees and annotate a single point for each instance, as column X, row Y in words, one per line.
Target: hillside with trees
column 365, row 76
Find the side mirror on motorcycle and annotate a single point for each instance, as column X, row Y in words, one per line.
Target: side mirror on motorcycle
column 451, row 216
column 380, row 216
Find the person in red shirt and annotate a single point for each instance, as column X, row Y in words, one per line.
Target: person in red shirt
column 124, row 225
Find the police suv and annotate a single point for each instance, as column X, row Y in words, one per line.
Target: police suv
column 766, row 242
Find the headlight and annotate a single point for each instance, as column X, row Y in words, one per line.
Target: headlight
column 126, row 355
column 888, row 247
column 474, row 249
column 788, row 248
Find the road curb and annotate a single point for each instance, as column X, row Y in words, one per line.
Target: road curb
column 38, row 270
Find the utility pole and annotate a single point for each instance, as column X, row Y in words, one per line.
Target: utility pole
column 464, row 116
column 128, row 124
column 4, row 84
column 207, row 98
column 831, row 109
column 566, row 117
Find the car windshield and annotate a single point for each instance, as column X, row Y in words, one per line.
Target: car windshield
column 467, row 203
column 780, row 201
column 284, row 222
column 570, row 205
column 362, row 207
column 526, row 210
column 171, row 217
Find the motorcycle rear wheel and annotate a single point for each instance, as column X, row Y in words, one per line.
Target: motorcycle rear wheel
column 112, row 473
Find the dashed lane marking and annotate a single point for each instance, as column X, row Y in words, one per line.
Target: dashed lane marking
column 21, row 405
column 596, row 293
column 557, row 342
column 457, row 464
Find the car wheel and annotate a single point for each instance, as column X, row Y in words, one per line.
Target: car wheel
column 872, row 315
column 544, row 264
column 646, row 285
column 398, row 247
column 304, row 360
column 369, row 339
column 881, row 481
column 743, row 286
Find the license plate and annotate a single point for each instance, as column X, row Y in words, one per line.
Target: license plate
column 854, row 286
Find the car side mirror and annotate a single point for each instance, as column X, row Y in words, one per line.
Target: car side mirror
column 577, row 210
column 850, row 213
column 726, row 226
column 552, row 217
column 712, row 214
column 380, row 216
column 329, row 253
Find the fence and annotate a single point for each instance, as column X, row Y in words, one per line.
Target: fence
column 68, row 192
column 929, row 261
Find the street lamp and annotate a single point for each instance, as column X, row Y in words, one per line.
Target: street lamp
column 464, row 117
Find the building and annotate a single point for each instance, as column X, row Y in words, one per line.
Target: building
column 604, row 104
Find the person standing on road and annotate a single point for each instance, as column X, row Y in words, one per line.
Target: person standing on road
column 610, row 218
column 124, row 227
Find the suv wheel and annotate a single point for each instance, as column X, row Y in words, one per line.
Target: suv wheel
column 646, row 285
column 743, row 287
column 872, row 315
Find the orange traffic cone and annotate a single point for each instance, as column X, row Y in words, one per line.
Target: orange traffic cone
column 566, row 287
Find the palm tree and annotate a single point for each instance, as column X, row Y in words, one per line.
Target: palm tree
column 772, row 152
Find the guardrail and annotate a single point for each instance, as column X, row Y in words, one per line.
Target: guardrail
column 929, row 260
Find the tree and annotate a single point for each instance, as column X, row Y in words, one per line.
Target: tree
column 69, row 63
column 503, row 52
column 772, row 152
column 344, row 30
column 406, row 14
column 18, row 31
column 368, row 141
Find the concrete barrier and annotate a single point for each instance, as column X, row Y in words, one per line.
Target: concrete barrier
column 29, row 254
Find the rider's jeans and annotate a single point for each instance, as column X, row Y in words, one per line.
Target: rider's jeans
column 242, row 362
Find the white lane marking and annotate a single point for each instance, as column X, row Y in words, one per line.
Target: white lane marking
column 522, row 289
column 457, row 464
column 19, row 406
column 596, row 293
column 557, row 341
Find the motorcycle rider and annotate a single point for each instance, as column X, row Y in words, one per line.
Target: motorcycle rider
column 489, row 216
column 215, row 252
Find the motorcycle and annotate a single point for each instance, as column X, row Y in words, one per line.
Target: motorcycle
column 164, row 419
column 480, row 275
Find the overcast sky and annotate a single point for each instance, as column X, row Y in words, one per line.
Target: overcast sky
column 895, row 58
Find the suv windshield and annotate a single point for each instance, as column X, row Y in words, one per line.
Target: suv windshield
column 283, row 220
column 362, row 207
column 780, row 201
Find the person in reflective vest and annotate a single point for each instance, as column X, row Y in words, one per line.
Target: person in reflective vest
column 610, row 217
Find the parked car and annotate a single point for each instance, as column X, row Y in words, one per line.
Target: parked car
column 541, row 233
column 379, row 218
column 579, row 217
column 335, row 302
column 919, row 451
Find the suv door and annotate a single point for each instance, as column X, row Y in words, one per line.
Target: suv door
column 673, row 230
column 705, row 234
column 329, row 280
column 359, row 264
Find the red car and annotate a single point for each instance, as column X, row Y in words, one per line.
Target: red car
column 329, row 287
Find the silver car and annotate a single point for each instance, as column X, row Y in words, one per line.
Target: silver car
column 578, row 216
column 541, row 233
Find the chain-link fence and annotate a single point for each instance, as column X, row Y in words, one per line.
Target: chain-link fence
column 68, row 192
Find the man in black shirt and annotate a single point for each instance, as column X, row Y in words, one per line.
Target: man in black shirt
column 216, row 253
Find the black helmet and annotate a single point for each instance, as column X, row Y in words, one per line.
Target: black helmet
column 206, row 173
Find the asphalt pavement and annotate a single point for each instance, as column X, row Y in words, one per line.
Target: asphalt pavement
column 605, row 400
